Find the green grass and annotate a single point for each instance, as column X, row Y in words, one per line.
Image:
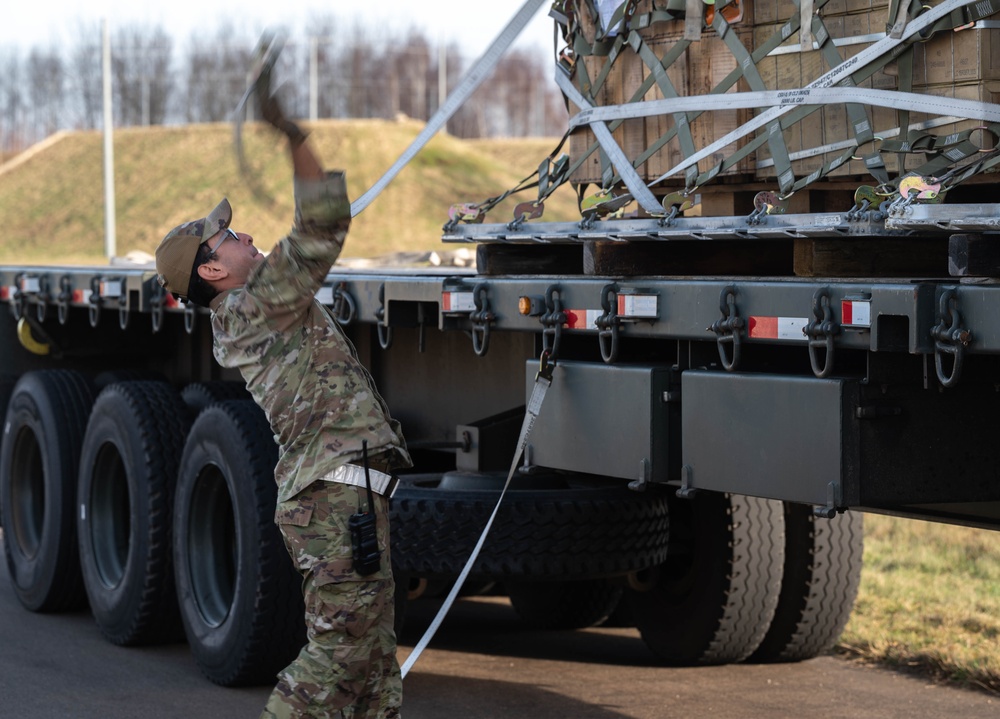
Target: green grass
column 929, row 601
column 52, row 202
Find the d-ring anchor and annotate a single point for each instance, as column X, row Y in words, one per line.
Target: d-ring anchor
column 821, row 332
column 383, row 330
column 727, row 330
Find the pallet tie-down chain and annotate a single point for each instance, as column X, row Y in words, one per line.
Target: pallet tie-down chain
column 543, row 380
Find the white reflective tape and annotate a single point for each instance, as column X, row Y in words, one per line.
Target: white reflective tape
column 458, row 301
column 30, row 285
column 582, row 319
column 638, row 306
column 856, row 313
column 778, row 328
column 111, row 288
column 325, row 295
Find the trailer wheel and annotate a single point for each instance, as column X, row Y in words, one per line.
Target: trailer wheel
column 199, row 395
column 128, row 471
column 239, row 594
column 564, row 605
column 546, row 527
column 713, row 599
column 821, row 578
column 45, row 422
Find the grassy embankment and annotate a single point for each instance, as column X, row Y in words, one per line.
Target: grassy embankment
column 930, row 594
column 52, row 203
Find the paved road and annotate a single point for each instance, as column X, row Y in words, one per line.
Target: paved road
column 482, row 665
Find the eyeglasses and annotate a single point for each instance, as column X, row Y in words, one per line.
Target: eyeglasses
column 226, row 233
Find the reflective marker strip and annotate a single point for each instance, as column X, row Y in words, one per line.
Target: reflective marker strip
column 637, row 306
column 111, row 288
column 778, row 328
column 855, row 313
column 81, row 296
column 458, row 302
column 582, row 319
column 30, row 285
column 325, row 295
column 7, row 292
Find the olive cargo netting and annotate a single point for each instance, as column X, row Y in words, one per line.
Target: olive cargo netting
column 667, row 96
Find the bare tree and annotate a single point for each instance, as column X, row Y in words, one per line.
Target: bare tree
column 215, row 76
column 361, row 73
column 12, row 104
column 84, row 77
column 46, row 86
column 140, row 67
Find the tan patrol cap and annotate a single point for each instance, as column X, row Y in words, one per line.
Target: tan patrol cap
column 176, row 253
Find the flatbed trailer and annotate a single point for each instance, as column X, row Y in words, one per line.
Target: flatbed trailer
column 730, row 392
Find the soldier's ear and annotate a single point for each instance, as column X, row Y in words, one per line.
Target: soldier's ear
column 212, row 271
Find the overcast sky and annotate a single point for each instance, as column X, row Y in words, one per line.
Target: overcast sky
column 26, row 23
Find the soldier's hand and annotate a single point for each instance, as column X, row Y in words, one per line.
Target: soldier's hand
column 272, row 112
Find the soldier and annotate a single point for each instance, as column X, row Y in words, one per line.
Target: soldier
column 325, row 412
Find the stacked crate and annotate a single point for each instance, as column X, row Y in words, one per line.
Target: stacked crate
column 962, row 64
column 949, row 64
column 700, row 69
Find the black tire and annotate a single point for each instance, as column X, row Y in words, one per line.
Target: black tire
column 564, row 605
column 823, row 560
column 573, row 531
column 45, row 422
column 128, row 471
column 199, row 395
column 240, row 596
column 713, row 599
column 6, row 389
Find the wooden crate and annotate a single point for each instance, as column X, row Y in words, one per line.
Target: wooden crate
column 700, row 69
column 702, row 66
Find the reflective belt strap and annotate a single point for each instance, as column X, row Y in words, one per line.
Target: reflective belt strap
column 542, row 382
column 354, row 475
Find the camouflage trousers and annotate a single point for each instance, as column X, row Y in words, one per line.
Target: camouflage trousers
column 348, row 668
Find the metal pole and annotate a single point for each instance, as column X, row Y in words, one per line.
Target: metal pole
column 313, row 78
column 109, row 152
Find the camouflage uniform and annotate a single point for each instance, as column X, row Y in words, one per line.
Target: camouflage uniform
column 321, row 404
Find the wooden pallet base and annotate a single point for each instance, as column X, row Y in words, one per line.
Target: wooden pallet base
column 841, row 257
column 688, row 257
column 872, row 257
column 974, row 255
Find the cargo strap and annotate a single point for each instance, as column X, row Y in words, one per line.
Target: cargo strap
column 472, row 79
column 543, row 379
column 269, row 48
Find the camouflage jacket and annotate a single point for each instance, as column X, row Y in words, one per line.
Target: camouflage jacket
column 297, row 363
